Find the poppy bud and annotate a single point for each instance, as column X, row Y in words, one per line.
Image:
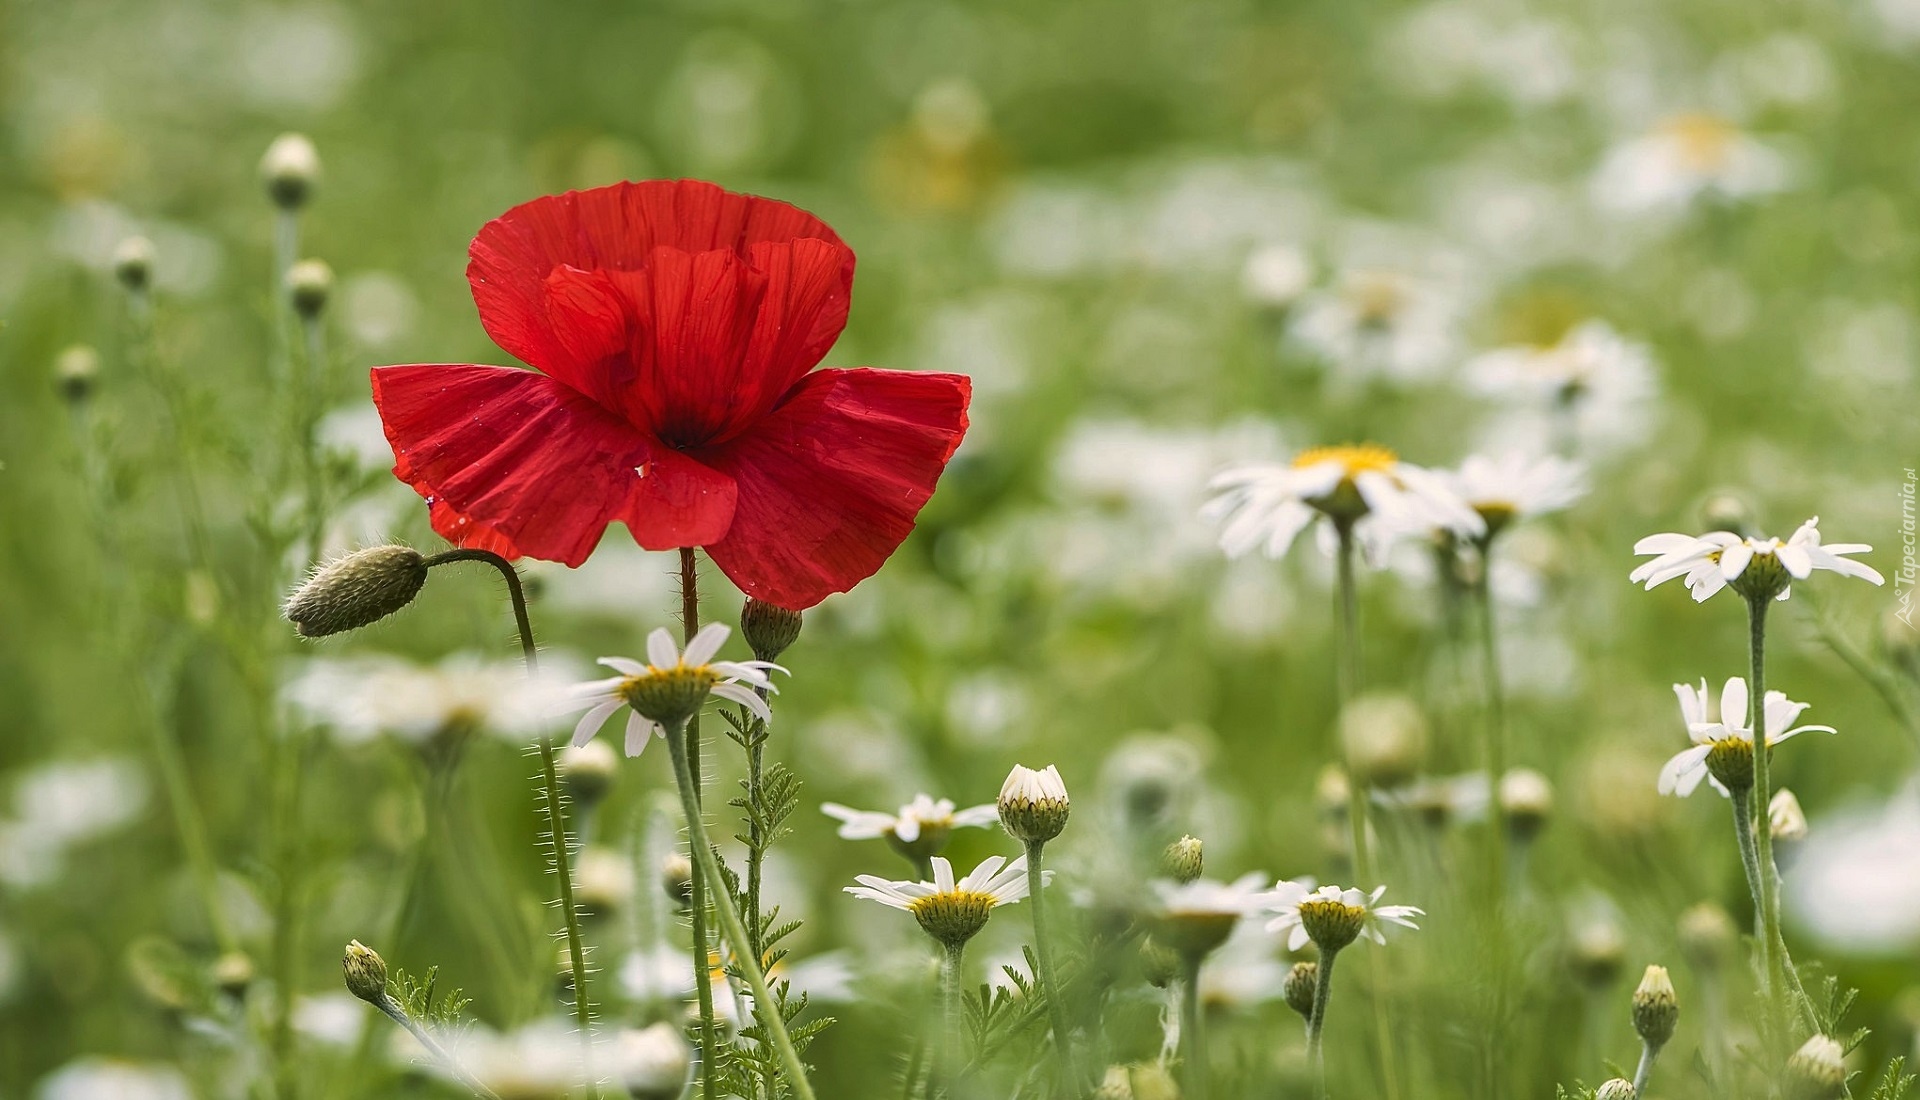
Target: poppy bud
column 289, row 169
column 768, row 628
column 366, row 973
column 1656, row 1011
column 76, row 372
column 357, row 590
column 1817, row 1071
column 1619, row 1088
column 133, row 264
column 1385, row 737
column 309, row 282
column 1298, row 989
column 589, row 770
column 1526, row 801
column 1183, row 861
column 233, row 973
column 1033, row 804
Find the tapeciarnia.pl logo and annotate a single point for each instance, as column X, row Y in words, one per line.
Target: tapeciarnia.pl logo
column 1905, row 577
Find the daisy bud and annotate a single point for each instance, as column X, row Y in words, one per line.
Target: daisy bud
column 1707, row 936
column 588, row 771
column 651, row 1063
column 676, row 878
column 1385, row 737
column 1619, row 1088
column 1158, row 965
column 289, row 169
column 1727, row 511
column 1785, row 819
column 133, row 264
column 1034, row 804
column 1597, row 953
column 366, row 973
column 603, row 880
column 76, row 372
column 1331, row 792
column 1817, row 1071
column 309, row 282
column 1183, row 860
column 357, row 590
column 1526, row 801
column 1656, row 1010
column 768, row 628
column 233, row 973
column 1331, row 923
column 1298, row 990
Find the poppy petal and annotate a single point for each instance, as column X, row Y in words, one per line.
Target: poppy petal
column 830, row 482
column 515, row 462
column 615, row 228
column 678, row 502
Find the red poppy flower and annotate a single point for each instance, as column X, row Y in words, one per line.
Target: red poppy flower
column 675, row 326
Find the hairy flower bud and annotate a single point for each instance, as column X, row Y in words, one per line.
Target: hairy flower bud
column 289, row 170
column 1183, row 861
column 76, row 372
column 1817, row 1071
column 366, row 973
column 1656, row 1010
column 1707, row 936
column 357, row 590
column 588, row 771
column 309, row 283
column 1298, row 990
column 768, row 628
column 1526, row 801
column 1385, row 737
column 133, row 264
column 1033, row 804
column 1619, row 1088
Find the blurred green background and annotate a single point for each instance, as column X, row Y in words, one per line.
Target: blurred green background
column 1132, row 223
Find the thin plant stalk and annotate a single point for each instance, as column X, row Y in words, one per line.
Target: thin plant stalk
column 950, row 1015
column 702, row 883
column 559, row 846
column 735, row 932
column 1495, row 762
column 1648, row 1053
column 1048, row 973
column 1783, row 983
column 1192, row 1039
column 1317, row 1023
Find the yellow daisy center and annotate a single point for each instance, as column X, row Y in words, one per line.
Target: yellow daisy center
column 1704, row 141
column 1354, row 458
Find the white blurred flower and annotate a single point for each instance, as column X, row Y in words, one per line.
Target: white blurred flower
column 1594, row 386
column 335, row 1019
column 95, row 1078
column 1377, row 322
column 1684, row 157
column 656, row 975
column 1725, row 747
column 921, row 816
column 1452, row 46
column 649, row 1063
column 61, row 804
column 361, row 698
column 1856, row 883
column 1718, row 559
column 539, row 1061
column 1515, row 486
column 1277, row 274
column 1265, row 507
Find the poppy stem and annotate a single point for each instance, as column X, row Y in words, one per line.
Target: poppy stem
column 553, row 802
column 702, row 882
column 707, row 864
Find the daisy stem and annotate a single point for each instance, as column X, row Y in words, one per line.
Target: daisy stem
column 1043, row 955
column 735, row 932
column 702, row 881
column 951, row 1017
column 1783, row 983
column 554, row 803
column 1195, row 1062
column 440, row 1053
column 1317, row 1022
column 1645, row 1069
column 1496, row 766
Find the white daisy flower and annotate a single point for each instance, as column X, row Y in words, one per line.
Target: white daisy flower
column 1722, row 751
column 1514, row 486
column 1380, row 322
column 1265, row 507
column 1766, row 567
column 1684, row 157
column 925, row 822
column 671, row 685
column 1194, row 918
column 1333, row 917
column 952, row 911
column 360, row 699
column 1593, row 389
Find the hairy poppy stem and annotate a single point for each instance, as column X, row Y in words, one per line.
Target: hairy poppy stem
column 554, row 804
column 705, row 863
column 702, row 882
